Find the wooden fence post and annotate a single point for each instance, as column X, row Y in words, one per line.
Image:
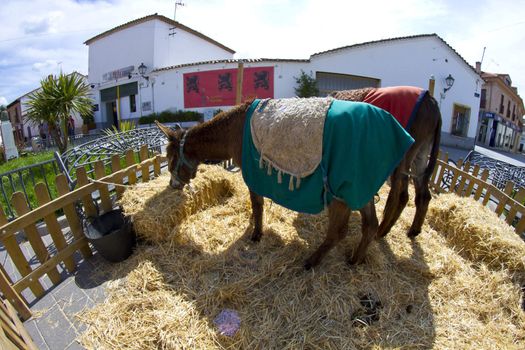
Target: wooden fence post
column 105, row 199
column 34, row 238
column 54, row 229
column 72, row 217
column 130, row 160
column 87, row 200
column 144, row 167
column 115, row 166
column 18, row 258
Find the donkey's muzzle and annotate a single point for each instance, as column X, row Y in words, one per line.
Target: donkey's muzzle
column 176, row 185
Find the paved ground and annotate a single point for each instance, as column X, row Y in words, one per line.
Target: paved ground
column 55, row 327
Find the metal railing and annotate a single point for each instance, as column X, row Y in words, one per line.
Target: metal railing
column 499, row 172
column 24, row 179
column 103, row 148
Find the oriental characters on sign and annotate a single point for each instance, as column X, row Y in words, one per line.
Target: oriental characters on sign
column 218, row 87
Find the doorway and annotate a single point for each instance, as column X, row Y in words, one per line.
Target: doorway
column 111, row 113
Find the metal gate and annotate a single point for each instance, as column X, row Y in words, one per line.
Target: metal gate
column 328, row 82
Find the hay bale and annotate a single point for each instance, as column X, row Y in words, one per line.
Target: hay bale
column 425, row 295
column 156, row 209
column 477, row 234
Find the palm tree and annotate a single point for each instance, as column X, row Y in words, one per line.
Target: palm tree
column 55, row 101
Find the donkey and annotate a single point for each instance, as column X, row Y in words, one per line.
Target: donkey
column 221, row 138
column 420, row 160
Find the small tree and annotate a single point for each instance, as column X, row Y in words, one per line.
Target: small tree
column 306, row 86
column 55, row 101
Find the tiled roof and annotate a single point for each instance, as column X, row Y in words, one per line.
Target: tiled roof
column 248, row 60
column 171, row 22
column 434, row 35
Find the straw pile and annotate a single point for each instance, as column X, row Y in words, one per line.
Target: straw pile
column 155, row 210
column 478, row 234
column 408, row 294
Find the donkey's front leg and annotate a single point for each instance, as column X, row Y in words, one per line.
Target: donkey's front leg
column 338, row 214
column 257, row 215
column 368, row 231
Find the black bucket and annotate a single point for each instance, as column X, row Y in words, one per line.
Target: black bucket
column 112, row 235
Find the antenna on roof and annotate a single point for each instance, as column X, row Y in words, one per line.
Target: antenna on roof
column 177, row 3
column 482, row 56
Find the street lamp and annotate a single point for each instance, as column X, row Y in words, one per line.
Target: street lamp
column 142, row 69
column 448, row 80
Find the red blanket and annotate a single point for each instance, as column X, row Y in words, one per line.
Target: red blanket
column 400, row 101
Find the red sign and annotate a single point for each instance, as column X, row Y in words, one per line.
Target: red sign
column 218, row 87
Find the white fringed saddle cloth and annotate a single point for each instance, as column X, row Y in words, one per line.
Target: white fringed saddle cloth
column 288, row 133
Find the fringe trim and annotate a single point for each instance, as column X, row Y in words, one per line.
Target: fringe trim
column 264, row 162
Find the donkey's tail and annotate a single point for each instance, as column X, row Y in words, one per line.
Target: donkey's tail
column 435, row 145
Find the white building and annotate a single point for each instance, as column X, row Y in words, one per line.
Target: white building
column 154, row 42
column 23, row 128
column 204, row 77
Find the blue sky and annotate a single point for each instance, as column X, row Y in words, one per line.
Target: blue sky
column 41, row 37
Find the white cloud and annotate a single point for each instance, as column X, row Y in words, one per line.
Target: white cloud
column 53, row 31
column 3, row 101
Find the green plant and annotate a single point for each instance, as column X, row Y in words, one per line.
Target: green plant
column 124, row 126
column 306, row 86
column 58, row 98
column 172, row 117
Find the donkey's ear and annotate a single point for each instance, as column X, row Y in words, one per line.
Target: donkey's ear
column 170, row 133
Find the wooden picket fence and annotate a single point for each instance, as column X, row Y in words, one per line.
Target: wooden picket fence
column 467, row 181
column 65, row 247
column 463, row 181
column 13, row 335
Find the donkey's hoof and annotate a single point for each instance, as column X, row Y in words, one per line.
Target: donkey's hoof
column 412, row 234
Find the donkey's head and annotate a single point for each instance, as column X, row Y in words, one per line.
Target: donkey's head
column 181, row 168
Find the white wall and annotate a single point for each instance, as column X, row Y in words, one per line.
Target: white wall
column 410, row 62
column 182, row 47
column 129, row 47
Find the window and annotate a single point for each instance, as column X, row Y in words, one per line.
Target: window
column 508, row 109
column 132, row 104
column 483, row 101
column 501, row 105
column 514, row 112
column 460, row 120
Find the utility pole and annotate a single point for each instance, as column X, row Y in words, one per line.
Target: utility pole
column 177, row 3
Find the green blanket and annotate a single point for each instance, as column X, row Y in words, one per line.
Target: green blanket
column 362, row 145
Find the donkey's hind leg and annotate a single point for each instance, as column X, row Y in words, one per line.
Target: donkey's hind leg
column 368, row 231
column 423, row 195
column 257, row 215
column 397, row 199
column 338, row 214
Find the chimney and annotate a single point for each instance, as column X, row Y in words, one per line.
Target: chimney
column 478, row 67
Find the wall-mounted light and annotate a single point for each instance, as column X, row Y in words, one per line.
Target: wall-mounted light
column 449, row 81
column 142, row 68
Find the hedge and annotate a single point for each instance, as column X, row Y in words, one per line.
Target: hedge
column 172, row 117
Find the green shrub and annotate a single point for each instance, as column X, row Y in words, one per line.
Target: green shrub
column 172, row 117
